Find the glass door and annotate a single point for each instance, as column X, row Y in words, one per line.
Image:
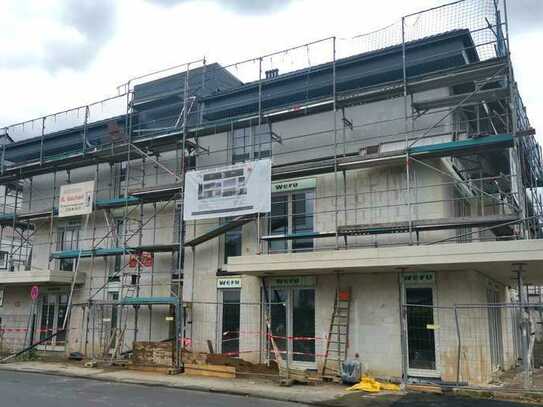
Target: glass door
column 62, row 308
column 292, row 313
column 495, row 330
column 47, row 320
column 230, row 321
column 303, row 325
column 421, row 332
column 110, row 327
column 292, row 214
column 278, row 322
column 53, row 311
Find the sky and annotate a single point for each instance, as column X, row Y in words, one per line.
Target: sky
column 58, row 54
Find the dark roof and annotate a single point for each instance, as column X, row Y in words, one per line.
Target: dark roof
column 426, row 55
column 226, row 97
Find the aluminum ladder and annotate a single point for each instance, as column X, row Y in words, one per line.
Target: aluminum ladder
column 337, row 342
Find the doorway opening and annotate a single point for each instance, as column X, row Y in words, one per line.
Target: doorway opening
column 292, row 314
column 419, row 297
column 52, row 312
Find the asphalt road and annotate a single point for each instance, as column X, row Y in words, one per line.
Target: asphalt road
column 31, row 390
column 417, row 400
column 19, row 389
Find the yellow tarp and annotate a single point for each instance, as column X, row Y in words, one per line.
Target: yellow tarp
column 370, row 385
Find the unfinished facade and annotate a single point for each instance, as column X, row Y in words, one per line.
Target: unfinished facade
column 404, row 186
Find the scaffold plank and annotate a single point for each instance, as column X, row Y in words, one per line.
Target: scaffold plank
column 219, row 230
column 156, row 193
column 443, row 149
column 427, row 225
column 114, row 251
column 149, row 301
column 116, row 202
column 298, row 235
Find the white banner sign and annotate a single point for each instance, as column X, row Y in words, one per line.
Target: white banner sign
column 238, row 189
column 229, row 282
column 76, row 199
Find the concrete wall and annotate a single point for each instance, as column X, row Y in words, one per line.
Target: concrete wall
column 14, row 313
column 154, row 281
column 376, row 123
column 379, row 195
column 375, row 323
column 376, row 195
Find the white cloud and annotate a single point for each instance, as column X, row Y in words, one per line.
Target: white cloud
column 54, row 34
column 240, row 6
column 61, row 53
column 526, row 64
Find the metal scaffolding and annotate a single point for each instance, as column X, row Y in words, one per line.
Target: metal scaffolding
column 464, row 136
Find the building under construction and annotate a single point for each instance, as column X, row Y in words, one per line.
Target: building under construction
column 403, row 192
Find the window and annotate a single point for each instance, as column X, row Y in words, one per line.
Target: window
column 262, row 142
column 4, row 256
column 11, row 196
column 119, row 178
column 292, row 214
column 113, row 297
column 190, row 162
column 279, row 221
column 230, row 318
column 118, row 240
column 251, row 143
column 68, row 239
column 462, row 208
column 122, row 171
column 241, row 145
column 232, row 243
column 302, row 219
column 179, row 233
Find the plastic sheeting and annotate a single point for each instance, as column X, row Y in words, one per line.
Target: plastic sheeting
column 370, row 385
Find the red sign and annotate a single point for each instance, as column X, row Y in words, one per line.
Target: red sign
column 344, row 295
column 34, row 292
column 147, row 259
column 132, row 261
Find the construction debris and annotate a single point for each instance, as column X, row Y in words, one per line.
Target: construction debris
column 153, row 353
column 223, row 372
column 243, row 367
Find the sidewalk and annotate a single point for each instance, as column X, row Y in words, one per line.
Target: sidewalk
column 309, row 394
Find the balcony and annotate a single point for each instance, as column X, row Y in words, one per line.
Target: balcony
column 496, row 259
column 40, row 277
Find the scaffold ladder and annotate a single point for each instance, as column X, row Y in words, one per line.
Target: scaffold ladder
column 72, row 288
column 118, row 334
column 337, row 342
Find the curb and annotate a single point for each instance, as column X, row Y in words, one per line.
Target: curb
column 501, row 395
column 203, row 389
